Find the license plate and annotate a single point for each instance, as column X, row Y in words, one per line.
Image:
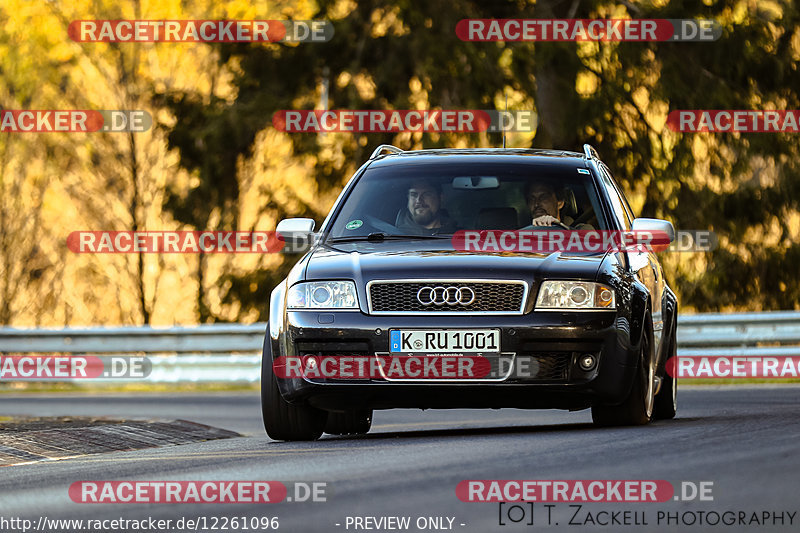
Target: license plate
column 439, row 341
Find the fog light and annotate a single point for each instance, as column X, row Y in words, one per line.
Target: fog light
column 587, row 362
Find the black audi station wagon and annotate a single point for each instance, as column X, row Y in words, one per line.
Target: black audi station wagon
column 400, row 302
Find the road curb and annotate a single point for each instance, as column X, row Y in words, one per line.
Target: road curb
column 25, row 441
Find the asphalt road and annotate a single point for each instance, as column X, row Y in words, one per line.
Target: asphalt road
column 745, row 440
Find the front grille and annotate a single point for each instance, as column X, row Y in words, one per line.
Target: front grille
column 490, row 297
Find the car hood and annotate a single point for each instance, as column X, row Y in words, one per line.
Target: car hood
column 367, row 261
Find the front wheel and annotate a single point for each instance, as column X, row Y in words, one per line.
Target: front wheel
column 637, row 408
column 666, row 403
column 282, row 420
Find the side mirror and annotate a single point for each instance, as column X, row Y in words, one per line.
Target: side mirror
column 655, row 225
column 296, row 232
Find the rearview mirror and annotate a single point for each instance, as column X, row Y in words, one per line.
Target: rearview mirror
column 476, row 182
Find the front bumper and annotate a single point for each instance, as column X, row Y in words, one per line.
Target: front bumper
column 554, row 336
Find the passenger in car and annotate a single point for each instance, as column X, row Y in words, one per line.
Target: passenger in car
column 423, row 214
column 545, row 203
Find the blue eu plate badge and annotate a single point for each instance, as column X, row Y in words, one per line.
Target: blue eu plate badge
column 394, row 340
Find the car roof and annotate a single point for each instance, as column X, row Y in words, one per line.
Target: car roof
column 483, row 155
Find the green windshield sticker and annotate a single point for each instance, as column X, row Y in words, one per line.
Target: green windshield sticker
column 354, row 224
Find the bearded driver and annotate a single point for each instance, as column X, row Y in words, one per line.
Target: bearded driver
column 424, row 214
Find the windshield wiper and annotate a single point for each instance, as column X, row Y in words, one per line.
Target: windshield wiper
column 379, row 236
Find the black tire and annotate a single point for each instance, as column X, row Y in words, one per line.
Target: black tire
column 349, row 423
column 666, row 402
column 633, row 411
column 282, row 420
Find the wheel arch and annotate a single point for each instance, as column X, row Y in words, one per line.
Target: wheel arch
column 641, row 309
column 670, row 307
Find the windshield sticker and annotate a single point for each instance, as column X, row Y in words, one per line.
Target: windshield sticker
column 354, row 224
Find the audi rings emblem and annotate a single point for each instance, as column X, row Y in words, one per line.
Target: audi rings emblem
column 445, row 295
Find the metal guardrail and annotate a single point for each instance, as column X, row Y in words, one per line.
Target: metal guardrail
column 200, row 354
column 212, row 338
column 232, row 352
column 755, row 334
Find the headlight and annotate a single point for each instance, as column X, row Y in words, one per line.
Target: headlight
column 575, row 295
column 323, row 295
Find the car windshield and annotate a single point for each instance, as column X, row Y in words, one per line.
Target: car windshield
column 440, row 198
